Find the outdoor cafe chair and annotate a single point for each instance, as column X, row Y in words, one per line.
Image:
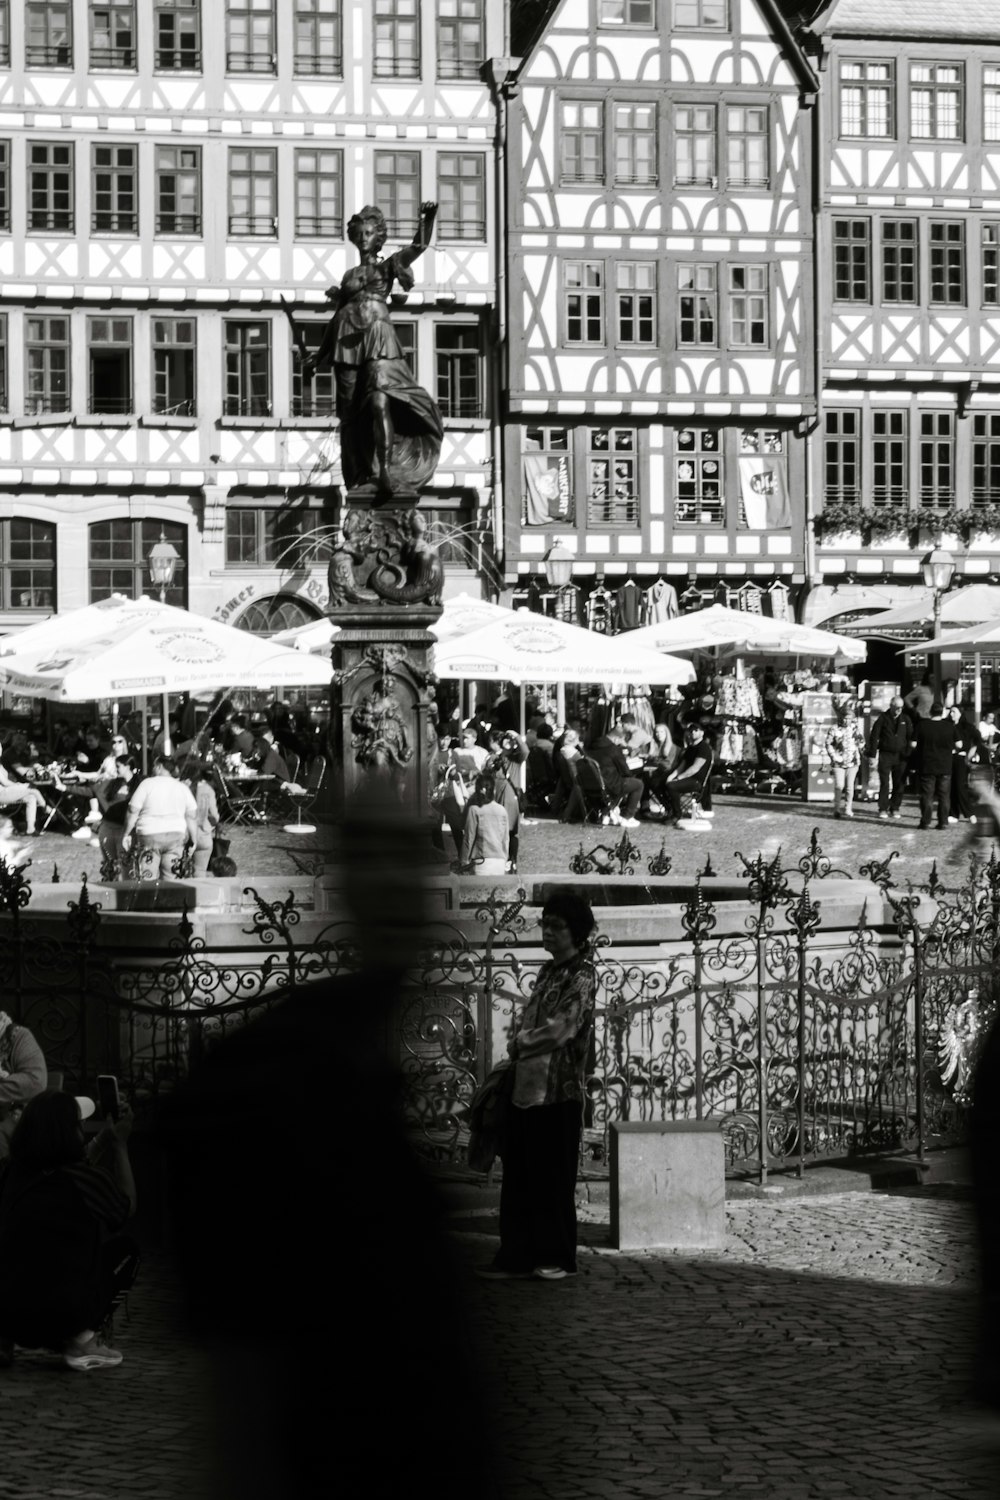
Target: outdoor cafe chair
column 303, row 797
column 597, row 803
column 246, row 800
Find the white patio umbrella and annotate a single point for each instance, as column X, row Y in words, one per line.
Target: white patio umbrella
column 974, row 638
column 733, row 632
column 139, row 648
column 526, row 647
column 460, row 616
column 976, row 604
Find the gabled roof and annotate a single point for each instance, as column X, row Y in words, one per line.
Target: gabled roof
column 529, row 19
column 942, row 20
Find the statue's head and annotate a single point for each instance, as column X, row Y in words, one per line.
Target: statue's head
column 368, row 215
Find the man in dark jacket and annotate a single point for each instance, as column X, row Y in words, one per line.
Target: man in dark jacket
column 622, row 787
column 935, row 740
column 889, row 743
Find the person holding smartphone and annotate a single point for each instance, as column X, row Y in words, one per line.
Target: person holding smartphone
column 64, row 1260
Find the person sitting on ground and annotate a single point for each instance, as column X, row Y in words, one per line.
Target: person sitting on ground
column 208, row 816
column 18, row 793
column 691, row 774
column 270, row 761
column 63, row 1258
column 486, row 839
column 623, row 789
column 23, row 1074
column 163, row 815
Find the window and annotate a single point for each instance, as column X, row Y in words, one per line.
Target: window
column 178, row 190
column 4, row 33
column 174, row 367
column 842, row 457
column 701, row 15
column 697, row 306
column 250, row 36
column 28, row 564
column 547, row 473
column 46, row 359
column 937, row 459
column 613, row 477
column 247, row 370
column 456, row 349
column 991, row 104
column 694, row 146
column 635, row 143
column 50, row 187
column 266, row 537
column 319, row 194
column 319, row 47
column 3, row 362
column 315, row 395
column 406, row 338
column 936, row 101
column 866, row 99
column 48, row 34
column 112, row 35
column 119, row 559
column 991, row 265
column 748, row 299
column 852, row 243
column 109, row 355
column 253, row 191
column 986, row 459
column 890, row 460
column 397, row 39
column 4, row 184
column 899, row 261
column 746, row 146
column 397, row 191
column 584, row 292
column 461, row 196
column 698, row 473
column 582, row 137
column 461, row 39
column 948, row 263
column 178, row 34
column 635, row 288
column 115, row 188
column 626, row 13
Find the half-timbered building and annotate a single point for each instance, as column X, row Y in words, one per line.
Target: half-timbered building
column 661, row 374
column 171, row 171
column 907, row 453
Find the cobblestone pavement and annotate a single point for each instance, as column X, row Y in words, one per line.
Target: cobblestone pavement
column 824, row 1353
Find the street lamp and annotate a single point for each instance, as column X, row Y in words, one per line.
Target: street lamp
column 938, row 568
column 558, row 564
column 163, row 560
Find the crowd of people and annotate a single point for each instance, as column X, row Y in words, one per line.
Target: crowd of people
column 89, row 783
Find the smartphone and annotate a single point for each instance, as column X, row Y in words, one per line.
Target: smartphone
column 108, row 1098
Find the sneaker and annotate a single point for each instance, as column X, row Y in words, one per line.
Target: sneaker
column 551, row 1273
column 81, row 833
column 499, row 1273
column 896, row 815
column 848, row 815
column 884, row 817
column 91, row 1356
column 628, row 822
column 93, row 818
column 950, row 820
column 708, row 812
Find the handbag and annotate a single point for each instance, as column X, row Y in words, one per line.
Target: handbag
column 489, row 1113
column 220, row 848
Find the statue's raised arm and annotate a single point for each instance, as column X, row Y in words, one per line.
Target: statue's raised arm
column 390, row 429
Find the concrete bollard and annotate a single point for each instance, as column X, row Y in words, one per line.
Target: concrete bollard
column 668, row 1185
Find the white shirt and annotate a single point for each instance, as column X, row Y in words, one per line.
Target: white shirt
column 162, row 804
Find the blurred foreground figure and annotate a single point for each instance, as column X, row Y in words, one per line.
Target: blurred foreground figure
column 308, row 1239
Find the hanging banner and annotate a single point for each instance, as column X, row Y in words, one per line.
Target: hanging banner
column 764, row 493
column 547, row 495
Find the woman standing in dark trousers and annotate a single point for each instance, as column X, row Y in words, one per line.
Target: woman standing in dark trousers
column 966, row 749
column 542, row 1140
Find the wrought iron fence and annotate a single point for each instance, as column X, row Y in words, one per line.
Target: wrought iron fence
column 805, row 1039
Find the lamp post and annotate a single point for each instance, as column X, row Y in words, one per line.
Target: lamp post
column 163, row 560
column 938, row 568
column 558, row 565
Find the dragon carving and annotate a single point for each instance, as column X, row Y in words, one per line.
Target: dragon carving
column 406, row 567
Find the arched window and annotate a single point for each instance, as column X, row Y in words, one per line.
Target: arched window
column 280, row 612
column 119, row 559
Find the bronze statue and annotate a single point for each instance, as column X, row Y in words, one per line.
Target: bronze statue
column 384, row 559
column 390, row 429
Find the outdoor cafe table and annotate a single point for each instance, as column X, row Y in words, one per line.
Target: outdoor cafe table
column 57, row 793
column 247, row 794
